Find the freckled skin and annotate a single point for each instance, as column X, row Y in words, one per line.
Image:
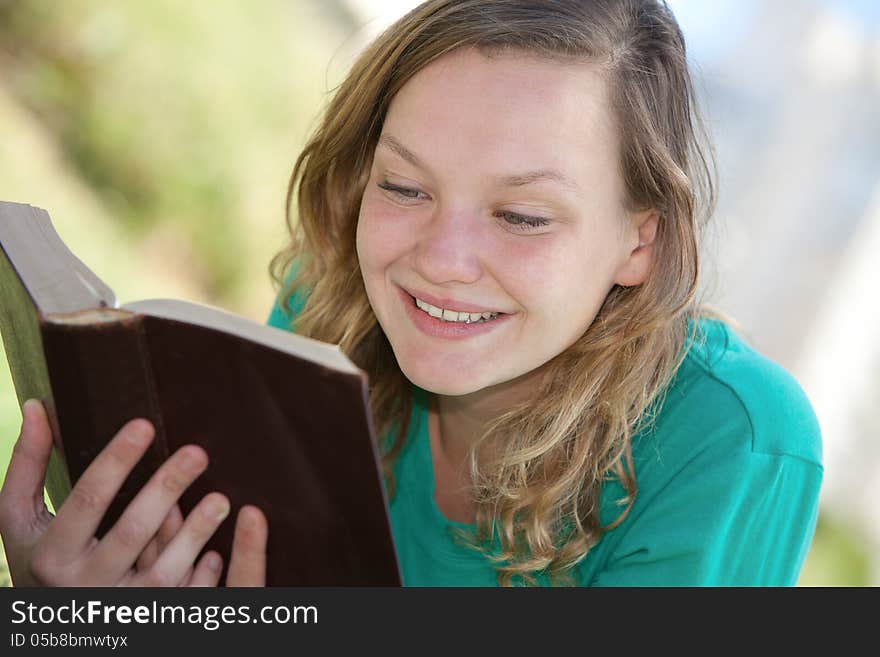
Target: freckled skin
column 472, row 121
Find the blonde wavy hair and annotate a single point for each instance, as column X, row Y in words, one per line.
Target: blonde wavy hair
column 538, row 492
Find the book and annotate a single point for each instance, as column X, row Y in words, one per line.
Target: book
column 285, row 419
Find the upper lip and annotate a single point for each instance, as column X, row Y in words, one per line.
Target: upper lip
column 450, row 304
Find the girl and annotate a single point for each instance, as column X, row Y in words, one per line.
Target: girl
column 499, row 219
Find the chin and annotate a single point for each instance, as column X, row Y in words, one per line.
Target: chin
column 440, row 384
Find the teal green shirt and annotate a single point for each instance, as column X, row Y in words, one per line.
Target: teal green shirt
column 728, row 484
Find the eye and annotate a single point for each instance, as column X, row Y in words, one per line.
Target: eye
column 403, row 194
column 410, row 195
column 520, row 221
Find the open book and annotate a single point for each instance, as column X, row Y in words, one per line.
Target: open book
column 285, row 419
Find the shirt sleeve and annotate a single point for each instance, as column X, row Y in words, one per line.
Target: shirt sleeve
column 744, row 519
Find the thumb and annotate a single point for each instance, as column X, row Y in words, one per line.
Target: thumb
column 247, row 565
column 21, row 497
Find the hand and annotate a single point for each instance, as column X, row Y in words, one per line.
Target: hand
column 150, row 545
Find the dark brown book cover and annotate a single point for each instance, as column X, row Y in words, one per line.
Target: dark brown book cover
column 285, row 419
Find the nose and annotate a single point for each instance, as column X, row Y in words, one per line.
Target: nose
column 448, row 251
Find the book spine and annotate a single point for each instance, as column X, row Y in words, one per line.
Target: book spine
column 100, row 379
column 22, row 342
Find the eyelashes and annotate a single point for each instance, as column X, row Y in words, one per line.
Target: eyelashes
column 521, row 221
column 402, row 193
column 408, row 195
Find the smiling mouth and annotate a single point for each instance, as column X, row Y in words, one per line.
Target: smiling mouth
column 454, row 316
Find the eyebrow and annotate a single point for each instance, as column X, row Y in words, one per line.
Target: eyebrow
column 519, row 180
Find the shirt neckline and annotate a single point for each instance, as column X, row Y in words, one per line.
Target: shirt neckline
column 426, row 464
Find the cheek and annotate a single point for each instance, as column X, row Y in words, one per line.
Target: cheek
column 382, row 234
column 564, row 283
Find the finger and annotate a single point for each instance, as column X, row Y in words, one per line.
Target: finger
column 207, row 571
column 184, row 581
column 23, row 515
column 247, row 565
column 170, row 526
column 21, row 497
column 168, row 530
column 141, row 520
column 148, row 557
column 177, row 558
column 74, row 526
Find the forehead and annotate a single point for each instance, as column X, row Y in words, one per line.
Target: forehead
column 510, row 108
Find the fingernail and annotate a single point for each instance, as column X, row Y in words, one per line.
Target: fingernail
column 29, row 404
column 220, row 510
column 249, row 519
column 214, row 562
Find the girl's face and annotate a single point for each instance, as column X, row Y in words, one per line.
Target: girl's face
column 495, row 191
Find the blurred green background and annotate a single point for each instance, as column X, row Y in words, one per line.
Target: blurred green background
column 160, row 136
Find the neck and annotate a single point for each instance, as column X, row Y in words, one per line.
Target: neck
column 460, row 420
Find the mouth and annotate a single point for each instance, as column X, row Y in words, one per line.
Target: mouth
column 460, row 317
column 447, row 323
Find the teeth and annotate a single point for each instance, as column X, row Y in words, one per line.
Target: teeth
column 454, row 316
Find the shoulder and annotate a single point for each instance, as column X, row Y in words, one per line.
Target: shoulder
column 732, row 425
column 725, row 388
column 728, row 476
